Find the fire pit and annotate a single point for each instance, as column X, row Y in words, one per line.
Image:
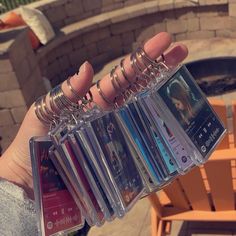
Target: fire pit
column 215, row 76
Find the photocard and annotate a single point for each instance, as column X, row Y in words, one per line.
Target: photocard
column 96, row 184
column 151, row 123
column 143, row 150
column 58, row 208
column 180, row 155
column 118, row 157
column 190, row 108
column 79, row 172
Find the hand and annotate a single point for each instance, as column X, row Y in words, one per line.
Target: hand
column 15, row 164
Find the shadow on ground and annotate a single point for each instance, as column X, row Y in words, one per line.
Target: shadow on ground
column 207, row 228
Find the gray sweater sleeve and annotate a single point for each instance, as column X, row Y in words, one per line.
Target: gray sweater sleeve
column 17, row 212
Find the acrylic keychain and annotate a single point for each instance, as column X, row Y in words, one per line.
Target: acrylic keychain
column 153, row 141
column 152, row 172
column 188, row 114
column 97, row 184
column 115, row 160
column 74, row 166
column 149, row 156
column 66, row 150
column 80, row 173
column 68, row 114
column 49, row 188
column 150, row 178
column 80, row 158
column 73, row 154
column 184, row 162
column 84, row 137
column 71, row 166
column 88, row 139
column 85, row 146
column 182, row 159
column 142, row 117
column 57, row 211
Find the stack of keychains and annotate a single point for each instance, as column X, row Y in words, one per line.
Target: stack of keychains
column 94, row 165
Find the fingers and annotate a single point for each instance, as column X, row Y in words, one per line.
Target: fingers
column 75, row 90
column 110, row 87
column 175, row 55
column 76, row 87
column 80, row 83
column 153, row 48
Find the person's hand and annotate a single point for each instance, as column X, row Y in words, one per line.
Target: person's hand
column 15, row 164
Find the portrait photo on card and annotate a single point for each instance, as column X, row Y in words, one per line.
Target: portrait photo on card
column 50, row 179
column 183, row 99
column 190, row 108
column 118, row 157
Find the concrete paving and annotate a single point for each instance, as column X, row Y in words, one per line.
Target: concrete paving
column 135, row 223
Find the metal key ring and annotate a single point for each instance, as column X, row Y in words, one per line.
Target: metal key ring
column 102, row 94
column 122, row 68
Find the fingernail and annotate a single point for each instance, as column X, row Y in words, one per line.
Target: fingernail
column 83, row 67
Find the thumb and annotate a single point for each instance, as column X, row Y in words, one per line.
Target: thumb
column 32, row 126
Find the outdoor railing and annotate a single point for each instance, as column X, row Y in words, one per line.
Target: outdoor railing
column 7, row 5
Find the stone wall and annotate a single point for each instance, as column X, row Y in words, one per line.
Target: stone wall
column 123, row 33
column 97, row 31
column 64, row 12
column 20, row 81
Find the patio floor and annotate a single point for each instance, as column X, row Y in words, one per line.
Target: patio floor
column 138, row 223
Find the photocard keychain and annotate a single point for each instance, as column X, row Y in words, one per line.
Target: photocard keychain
column 117, row 160
column 148, row 183
column 182, row 159
column 158, row 72
column 85, row 153
column 55, row 158
column 76, row 168
column 57, row 210
column 72, row 183
column 152, row 72
column 66, row 161
column 154, row 136
column 70, row 165
column 184, row 108
column 188, row 114
column 92, row 178
column 85, row 140
column 147, row 151
column 155, row 167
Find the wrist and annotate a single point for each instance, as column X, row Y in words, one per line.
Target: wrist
column 12, row 171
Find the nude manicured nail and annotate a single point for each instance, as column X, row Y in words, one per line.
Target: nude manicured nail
column 83, row 67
